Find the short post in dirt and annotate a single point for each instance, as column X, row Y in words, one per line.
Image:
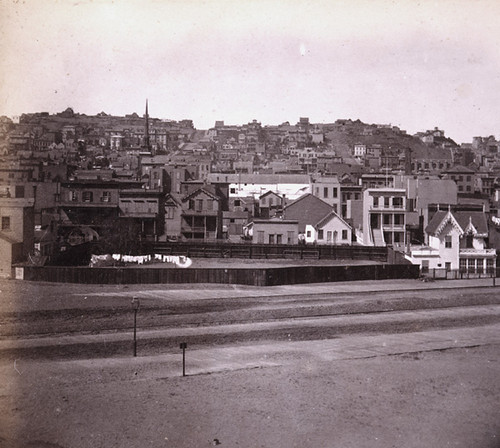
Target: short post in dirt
column 183, row 347
column 135, row 306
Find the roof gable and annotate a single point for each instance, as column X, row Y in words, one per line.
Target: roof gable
column 307, row 209
column 330, row 217
column 199, row 191
column 268, row 193
column 440, row 220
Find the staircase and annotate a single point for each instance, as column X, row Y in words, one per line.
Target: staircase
column 378, row 237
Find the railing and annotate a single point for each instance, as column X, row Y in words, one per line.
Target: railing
column 459, row 274
column 269, row 251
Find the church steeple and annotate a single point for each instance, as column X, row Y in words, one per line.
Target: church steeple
column 147, row 144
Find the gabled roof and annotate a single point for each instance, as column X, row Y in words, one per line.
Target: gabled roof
column 170, row 199
column 478, row 221
column 206, row 189
column 308, row 209
column 465, row 221
column 269, row 192
column 332, row 215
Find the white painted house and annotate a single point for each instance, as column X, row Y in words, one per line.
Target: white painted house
column 457, row 241
column 331, row 229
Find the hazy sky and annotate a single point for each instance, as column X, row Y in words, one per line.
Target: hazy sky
column 414, row 64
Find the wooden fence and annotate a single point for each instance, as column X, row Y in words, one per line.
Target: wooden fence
column 244, row 276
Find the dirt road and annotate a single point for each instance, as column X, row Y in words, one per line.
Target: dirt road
column 425, row 373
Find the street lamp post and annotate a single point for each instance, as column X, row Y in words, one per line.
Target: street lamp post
column 135, row 305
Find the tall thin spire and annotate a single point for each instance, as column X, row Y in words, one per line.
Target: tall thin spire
column 147, row 144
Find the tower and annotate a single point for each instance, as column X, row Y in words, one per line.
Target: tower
column 147, row 144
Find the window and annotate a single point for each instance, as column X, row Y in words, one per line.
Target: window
column 335, row 193
column 290, row 237
column 463, row 264
column 73, row 196
column 375, row 201
column 480, row 265
column 425, row 266
column 447, row 242
column 19, row 192
column 344, row 234
column 397, row 202
column 320, row 234
column 325, row 192
column 87, row 196
column 233, row 190
column 106, row 196
column 469, row 238
column 191, row 204
column 490, row 267
column 308, row 234
column 329, row 236
column 271, row 239
column 447, row 266
column 237, row 202
column 387, row 220
column 387, row 202
column 279, row 238
column 260, row 237
column 5, row 222
column 399, row 219
column 169, row 212
column 199, row 205
column 210, row 204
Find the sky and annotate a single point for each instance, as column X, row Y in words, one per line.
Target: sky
column 412, row 64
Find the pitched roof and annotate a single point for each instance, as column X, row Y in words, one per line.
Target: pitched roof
column 308, row 209
column 461, row 218
column 205, row 189
column 269, row 192
column 322, row 222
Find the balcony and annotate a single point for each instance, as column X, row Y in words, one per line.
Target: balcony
column 393, row 227
column 477, row 253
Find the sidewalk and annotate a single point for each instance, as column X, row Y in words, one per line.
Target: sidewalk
column 273, row 354
column 180, row 292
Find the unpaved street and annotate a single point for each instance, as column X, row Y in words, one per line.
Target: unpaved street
column 388, row 375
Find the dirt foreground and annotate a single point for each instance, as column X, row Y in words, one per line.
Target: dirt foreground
column 439, row 398
column 432, row 399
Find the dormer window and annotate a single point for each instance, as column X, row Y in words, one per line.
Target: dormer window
column 469, row 241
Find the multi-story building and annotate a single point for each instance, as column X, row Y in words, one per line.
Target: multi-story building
column 384, row 217
column 144, row 209
column 17, row 230
column 464, row 178
column 327, row 188
column 202, row 213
